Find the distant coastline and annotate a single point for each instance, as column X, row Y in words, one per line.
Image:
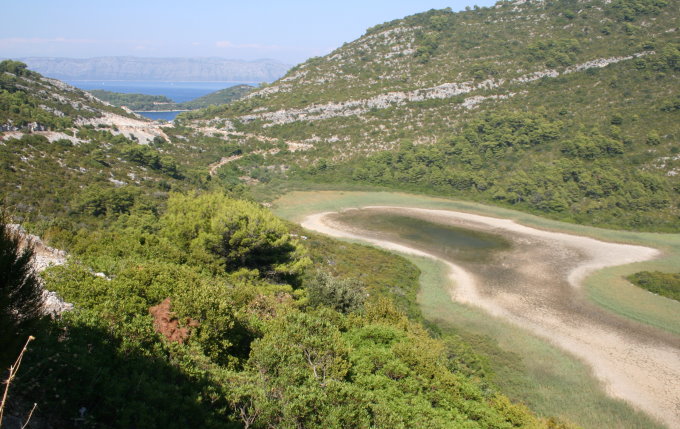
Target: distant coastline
column 177, row 91
column 160, row 111
column 254, row 82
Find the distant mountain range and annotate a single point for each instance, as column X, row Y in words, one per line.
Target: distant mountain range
column 170, row 69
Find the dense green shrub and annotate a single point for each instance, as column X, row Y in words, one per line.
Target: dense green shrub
column 665, row 284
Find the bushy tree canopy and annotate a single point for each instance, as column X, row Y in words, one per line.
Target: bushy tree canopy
column 233, row 234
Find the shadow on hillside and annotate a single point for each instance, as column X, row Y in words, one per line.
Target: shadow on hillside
column 86, row 377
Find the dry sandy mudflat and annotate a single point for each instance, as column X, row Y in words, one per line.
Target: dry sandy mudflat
column 536, row 284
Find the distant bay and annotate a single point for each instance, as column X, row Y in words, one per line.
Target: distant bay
column 176, row 91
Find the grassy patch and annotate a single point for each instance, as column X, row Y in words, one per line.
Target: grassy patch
column 381, row 272
column 525, row 367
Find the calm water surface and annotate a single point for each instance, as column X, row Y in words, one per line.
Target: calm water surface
column 176, row 91
column 444, row 240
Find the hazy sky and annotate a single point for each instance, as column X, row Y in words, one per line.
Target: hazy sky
column 289, row 31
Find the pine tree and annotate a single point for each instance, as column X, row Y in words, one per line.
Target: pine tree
column 20, row 291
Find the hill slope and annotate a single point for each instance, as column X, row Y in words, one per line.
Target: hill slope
column 173, row 316
column 63, row 151
column 565, row 108
column 223, row 96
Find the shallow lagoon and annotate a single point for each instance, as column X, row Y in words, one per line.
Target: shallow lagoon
column 449, row 242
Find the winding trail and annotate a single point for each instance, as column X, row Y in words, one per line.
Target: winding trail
column 223, row 161
column 536, row 285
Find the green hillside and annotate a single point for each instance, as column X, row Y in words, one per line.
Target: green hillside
column 567, row 109
column 195, row 306
column 65, row 154
column 134, row 102
column 187, row 293
column 27, row 97
column 223, row 96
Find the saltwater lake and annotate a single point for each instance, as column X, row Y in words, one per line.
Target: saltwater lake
column 448, row 242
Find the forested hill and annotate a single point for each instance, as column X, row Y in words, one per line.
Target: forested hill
column 223, row 96
column 565, row 108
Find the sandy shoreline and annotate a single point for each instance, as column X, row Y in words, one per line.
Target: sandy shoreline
column 635, row 362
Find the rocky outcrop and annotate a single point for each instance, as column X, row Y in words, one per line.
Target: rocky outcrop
column 317, row 112
column 143, row 130
column 44, row 256
column 53, row 305
column 8, row 127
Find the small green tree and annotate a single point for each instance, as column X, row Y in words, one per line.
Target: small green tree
column 344, row 295
column 224, row 233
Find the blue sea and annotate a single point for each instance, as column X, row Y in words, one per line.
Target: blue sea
column 176, row 91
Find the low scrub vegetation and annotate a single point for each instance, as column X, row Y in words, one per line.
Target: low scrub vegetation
column 664, row 284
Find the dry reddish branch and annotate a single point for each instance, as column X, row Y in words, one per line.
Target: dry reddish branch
column 167, row 324
column 12, row 373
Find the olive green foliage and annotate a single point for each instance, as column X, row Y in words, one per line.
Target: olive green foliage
column 343, row 295
column 366, row 270
column 255, row 352
column 223, row 96
column 69, row 178
column 555, row 53
column 117, row 373
column 20, row 293
column 233, row 234
column 134, row 101
column 631, row 10
column 325, row 370
column 149, row 157
column 665, row 284
column 496, row 158
column 14, row 67
column 98, row 201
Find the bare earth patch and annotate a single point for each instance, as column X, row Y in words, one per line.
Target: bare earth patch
column 536, row 284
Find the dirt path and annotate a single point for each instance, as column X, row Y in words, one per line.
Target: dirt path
column 225, row 160
column 537, row 285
